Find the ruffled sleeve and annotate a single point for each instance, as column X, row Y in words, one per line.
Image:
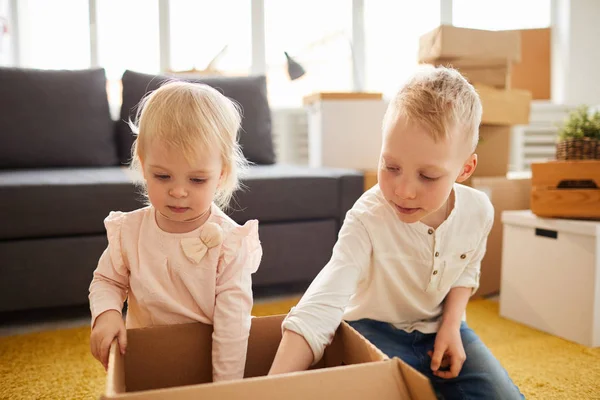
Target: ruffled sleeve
column 241, row 255
column 243, row 239
column 110, row 284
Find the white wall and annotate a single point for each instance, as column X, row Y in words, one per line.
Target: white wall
column 576, row 52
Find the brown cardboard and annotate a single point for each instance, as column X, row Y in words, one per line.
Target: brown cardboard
column 489, row 72
column 321, row 96
column 451, row 42
column 497, row 77
column 370, row 179
column 174, row 362
column 504, row 107
column 459, row 63
column 383, row 380
column 493, row 151
column 533, row 72
column 506, row 193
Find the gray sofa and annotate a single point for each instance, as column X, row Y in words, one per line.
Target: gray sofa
column 62, row 170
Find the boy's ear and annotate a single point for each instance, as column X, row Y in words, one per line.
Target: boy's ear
column 468, row 168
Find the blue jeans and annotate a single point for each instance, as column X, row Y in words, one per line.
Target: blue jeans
column 481, row 377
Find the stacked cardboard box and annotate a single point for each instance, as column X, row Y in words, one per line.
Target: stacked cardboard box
column 518, row 59
column 534, row 71
column 485, row 58
column 507, row 193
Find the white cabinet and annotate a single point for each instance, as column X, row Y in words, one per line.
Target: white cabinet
column 551, row 275
column 344, row 129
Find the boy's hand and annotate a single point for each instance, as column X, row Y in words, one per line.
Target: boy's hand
column 109, row 325
column 448, row 350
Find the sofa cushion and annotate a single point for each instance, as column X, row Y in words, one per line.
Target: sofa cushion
column 294, row 252
column 55, row 119
column 48, row 272
column 249, row 92
column 283, row 192
column 63, row 202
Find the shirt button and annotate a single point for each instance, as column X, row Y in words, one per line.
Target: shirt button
column 430, row 231
column 435, row 272
column 463, row 256
column 437, row 253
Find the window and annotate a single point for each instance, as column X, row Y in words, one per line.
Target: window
column 318, row 35
column 202, row 30
column 392, row 31
column 500, row 15
column 54, row 34
column 128, row 36
column 5, row 34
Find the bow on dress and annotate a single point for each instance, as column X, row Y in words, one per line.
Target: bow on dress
column 211, row 235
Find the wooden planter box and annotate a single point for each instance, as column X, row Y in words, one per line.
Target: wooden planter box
column 566, row 189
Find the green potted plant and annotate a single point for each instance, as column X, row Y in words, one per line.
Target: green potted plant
column 579, row 136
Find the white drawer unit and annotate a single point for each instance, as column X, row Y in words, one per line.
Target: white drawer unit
column 551, row 275
column 344, row 129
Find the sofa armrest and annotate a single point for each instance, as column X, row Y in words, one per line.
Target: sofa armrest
column 351, row 188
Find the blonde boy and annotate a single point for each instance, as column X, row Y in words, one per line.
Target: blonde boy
column 409, row 254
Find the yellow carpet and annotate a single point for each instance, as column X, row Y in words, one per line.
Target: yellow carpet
column 58, row 364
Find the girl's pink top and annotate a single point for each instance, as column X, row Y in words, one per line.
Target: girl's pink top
column 200, row 276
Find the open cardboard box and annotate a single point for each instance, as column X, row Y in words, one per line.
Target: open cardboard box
column 174, row 362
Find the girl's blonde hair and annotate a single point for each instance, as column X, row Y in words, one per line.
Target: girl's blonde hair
column 192, row 117
column 439, row 99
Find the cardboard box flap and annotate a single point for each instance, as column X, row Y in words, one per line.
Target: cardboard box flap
column 349, row 347
column 386, row 380
column 417, row 384
column 170, row 363
column 115, row 376
column 447, row 41
column 265, row 336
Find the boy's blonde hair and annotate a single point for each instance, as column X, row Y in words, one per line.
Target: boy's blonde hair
column 438, row 99
column 191, row 117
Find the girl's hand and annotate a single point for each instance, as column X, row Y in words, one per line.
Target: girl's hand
column 448, row 350
column 109, row 325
